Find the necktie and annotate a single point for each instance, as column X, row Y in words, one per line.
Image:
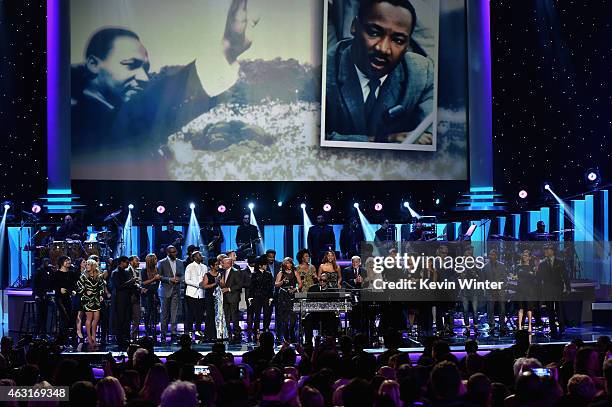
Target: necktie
column 371, row 99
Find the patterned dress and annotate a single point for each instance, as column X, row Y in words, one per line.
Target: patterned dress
column 219, row 315
column 95, row 286
column 307, row 276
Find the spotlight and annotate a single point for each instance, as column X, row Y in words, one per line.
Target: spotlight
column 251, row 205
column 160, row 209
column 522, row 194
column 131, row 206
column 100, row 204
column 7, row 206
column 36, row 208
column 378, row 207
column 547, row 186
column 192, row 206
column 592, row 176
column 303, row 206
column 437, row 201
column 280, row 203
column 356, row 205
column 221, row 208
column 327, row 207
column 406, row 204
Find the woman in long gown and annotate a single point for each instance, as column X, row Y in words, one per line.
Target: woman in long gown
column 288, row 282
column 214, row 327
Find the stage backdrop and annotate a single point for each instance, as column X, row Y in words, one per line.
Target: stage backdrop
column 211, row 90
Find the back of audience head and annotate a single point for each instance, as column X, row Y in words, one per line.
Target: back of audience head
column 180, row 393
column 582, row 387
column 528, row 388
column 479, row 389
column 587, row 361
column 83, row 394
column 357, row 393
column 311, row 397
column 271, row 382
column 471, row 346
column 445, row 381
column 155, row 382
column 110, row 392
column 391, row 388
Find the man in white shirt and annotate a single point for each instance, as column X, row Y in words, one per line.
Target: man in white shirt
column 194, row 293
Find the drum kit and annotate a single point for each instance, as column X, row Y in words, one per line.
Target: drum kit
column 98, row 244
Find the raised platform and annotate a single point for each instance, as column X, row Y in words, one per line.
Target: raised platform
column 411, row 345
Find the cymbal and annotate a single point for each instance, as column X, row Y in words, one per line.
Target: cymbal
column 112, row 215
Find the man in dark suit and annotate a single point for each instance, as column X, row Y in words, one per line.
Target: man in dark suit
column 553, row 278
column 353, row 275
column 246, row 237
column 320, row 239
column 378, row 91
column 274, row 265
column 123, row 287
column 231, row 287
column 172, row 273
column 351, row 238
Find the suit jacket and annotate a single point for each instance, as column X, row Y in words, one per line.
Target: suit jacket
column 553, row 280
column 320, row 239
column 274, row 268
column 234, row 282
column 165, row 271
column 410, row 85
column 122, row 290
column 348, row 276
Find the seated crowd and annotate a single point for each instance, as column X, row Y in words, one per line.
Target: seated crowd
column 326, row 374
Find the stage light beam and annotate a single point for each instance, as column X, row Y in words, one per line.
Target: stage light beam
column 251, row 205
column 130, row 206
column 303, row 206
column 192, row 206
column 356, row 205
column 279, row 203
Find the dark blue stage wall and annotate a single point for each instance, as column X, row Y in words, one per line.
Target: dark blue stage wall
column 550, row 121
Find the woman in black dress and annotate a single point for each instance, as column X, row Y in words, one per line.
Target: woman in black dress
column 526, row 288
column 63, row 285
column 150, row 283
column 288, row 281
column 91, row 289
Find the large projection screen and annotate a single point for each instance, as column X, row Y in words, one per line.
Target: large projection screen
column 211, row 90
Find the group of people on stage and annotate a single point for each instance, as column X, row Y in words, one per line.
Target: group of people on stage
column 207, row 289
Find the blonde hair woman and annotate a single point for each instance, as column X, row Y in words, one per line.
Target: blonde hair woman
column 91, row 289
column 110, row 393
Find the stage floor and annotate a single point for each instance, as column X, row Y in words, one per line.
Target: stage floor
column 413, row 345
